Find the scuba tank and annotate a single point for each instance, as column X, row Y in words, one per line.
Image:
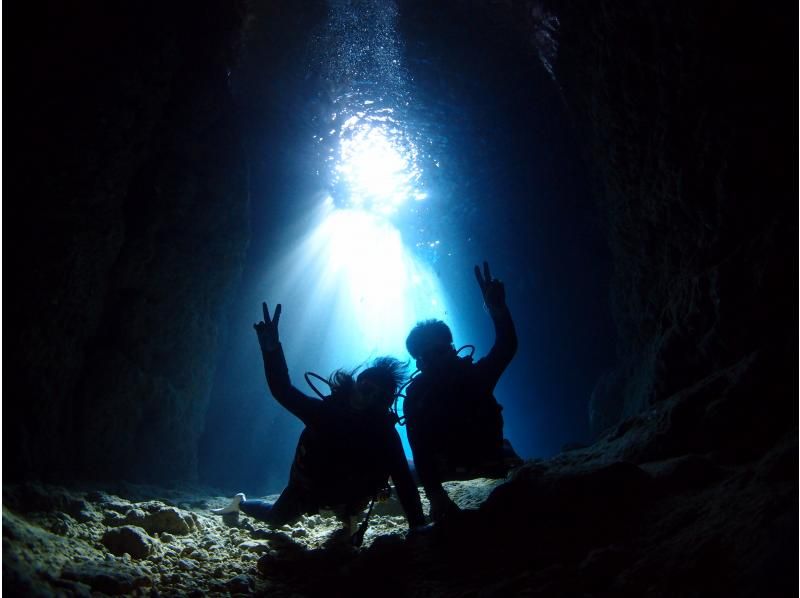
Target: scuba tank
column 401, row 420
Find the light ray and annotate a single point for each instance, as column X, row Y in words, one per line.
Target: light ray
column 351, row 291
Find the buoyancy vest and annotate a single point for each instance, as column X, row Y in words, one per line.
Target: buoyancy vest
column 454, row 415
column 346, row 457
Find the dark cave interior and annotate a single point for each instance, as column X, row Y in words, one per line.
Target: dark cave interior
column 145, row 144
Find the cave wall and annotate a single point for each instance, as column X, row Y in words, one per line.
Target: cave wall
column 689, row 111
column 128, row 183
column 687, row 114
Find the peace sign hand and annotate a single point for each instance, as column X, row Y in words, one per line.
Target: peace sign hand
column 493, row 290
column 267, row 331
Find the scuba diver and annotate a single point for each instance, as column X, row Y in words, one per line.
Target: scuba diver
column 348, row 449
column 455, row 426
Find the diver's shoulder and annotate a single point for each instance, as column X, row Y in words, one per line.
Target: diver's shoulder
column 417, row 383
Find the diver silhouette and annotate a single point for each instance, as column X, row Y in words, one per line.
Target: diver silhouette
column 455, row 426
column 348, row 449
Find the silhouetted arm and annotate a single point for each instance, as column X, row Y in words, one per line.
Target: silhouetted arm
column 307, row 409
column 505, row 343
column 404, row 483
column 504, row 348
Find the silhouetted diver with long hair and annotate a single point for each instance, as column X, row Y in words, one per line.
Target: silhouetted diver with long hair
column 349, row 447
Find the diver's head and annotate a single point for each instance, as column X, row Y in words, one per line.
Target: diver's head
column 431, row 343
column 378, row 385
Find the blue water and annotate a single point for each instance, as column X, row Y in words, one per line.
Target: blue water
column 412, row 150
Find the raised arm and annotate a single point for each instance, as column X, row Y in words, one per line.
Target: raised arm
column 505, row 343
column 277, row 372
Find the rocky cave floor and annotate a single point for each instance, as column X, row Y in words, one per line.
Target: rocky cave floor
column 139, row 540
column 585, row 523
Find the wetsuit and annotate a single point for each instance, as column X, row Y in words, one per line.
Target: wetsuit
column 343, row 458
column 455, row 426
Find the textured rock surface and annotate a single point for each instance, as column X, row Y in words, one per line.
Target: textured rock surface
column 158, row 518
column 128, row 539
column 582, row 524
column 132, row 223
column 683, row 110
column 108, row 577
column 41, row 555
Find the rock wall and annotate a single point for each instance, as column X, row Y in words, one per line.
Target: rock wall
column 130, row 192
column 687, row 113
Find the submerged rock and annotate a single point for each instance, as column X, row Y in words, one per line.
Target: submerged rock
column 109, row 578
column 158, row 518
column 571, row 525
column 241, row 584
column 34, row 497
column 129, row 539
column 74, row 589
column 186, row 565
column 253, row 546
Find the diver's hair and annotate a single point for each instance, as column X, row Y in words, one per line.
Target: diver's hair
column 389, row 371
column 426, row 333
column 342, row 382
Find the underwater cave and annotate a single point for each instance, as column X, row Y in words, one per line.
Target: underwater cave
column 628, row 169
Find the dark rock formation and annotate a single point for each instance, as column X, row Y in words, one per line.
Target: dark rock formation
column 584, row 523
column 577, row 526
column 688, row 116
column 130, row 226
column 156, row 518
column 128, row 539
column 107, row 578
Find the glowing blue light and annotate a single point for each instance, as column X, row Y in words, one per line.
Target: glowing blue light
column 377, row 163
column 375, row 286
column 351, row 291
